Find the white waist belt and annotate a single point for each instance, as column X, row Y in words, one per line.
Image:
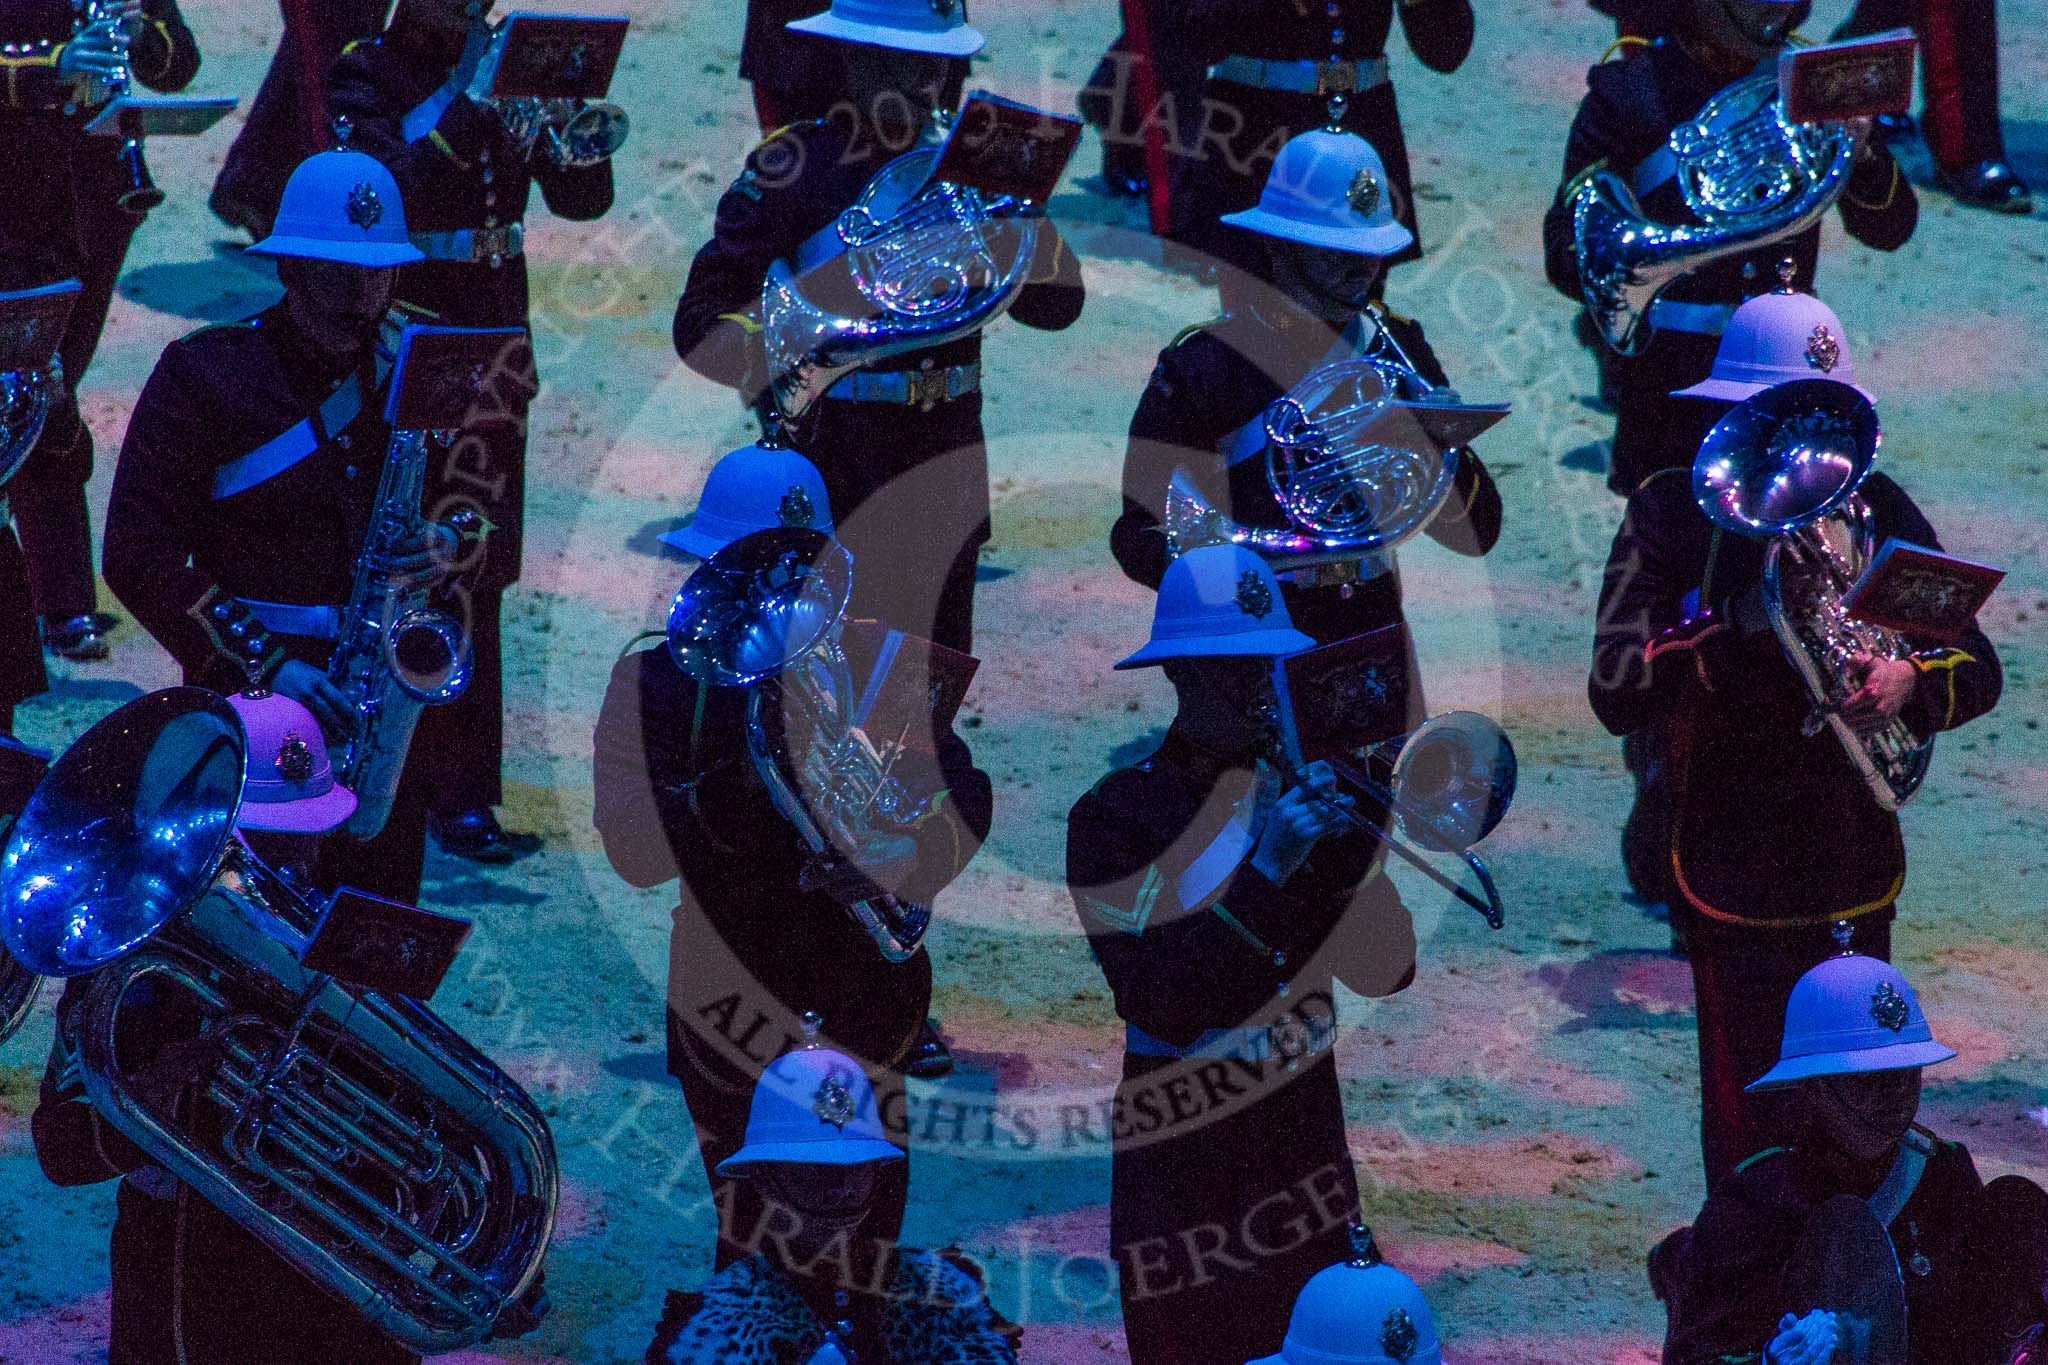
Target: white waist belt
column 286, row 618
column 1705, row 319
column 1305, row 77
column 473, row 244
column 924, row 389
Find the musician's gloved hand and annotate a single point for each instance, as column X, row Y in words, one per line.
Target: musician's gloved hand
column 100, row 49
column 1810, row 1340
column 1304, row 815
column 881, row 864
column 431, row 553
column 309, row 687
column 1883, row 687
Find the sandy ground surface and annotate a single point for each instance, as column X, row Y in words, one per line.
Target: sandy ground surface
column 1524, row 1116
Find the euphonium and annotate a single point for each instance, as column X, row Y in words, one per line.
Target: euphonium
column 18, row 985
column 933, row 261
column 395, row 654
column 355, row 1134
column 764, row 613
column 1786, row 465
column 31, row 388
column 1447, row 783
column 1751, row 177
column 1344, row 497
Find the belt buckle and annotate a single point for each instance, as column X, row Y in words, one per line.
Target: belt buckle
column 1337, row 78
column 927, row 389
column 492, row 244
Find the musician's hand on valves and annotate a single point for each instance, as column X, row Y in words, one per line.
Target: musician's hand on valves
column 427, row 554
column 101, row 49
column 309, row 687
column 1883, row 687
column 1810, row 1340
column 1302, row 817
column 874, row 869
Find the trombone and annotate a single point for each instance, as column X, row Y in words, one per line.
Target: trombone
column 1447, row 783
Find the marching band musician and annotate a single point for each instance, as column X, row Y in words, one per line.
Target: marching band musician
column 416, row 96
column 277, row 421
column 1220, row 907
column 1328, row 230
column 1631, row 106
column 900, row 443
column 1274, row 70
column 817, row 1286
column 676, row 793
column 1771, row 834
column 1866, row 1239
column 190, row 1284
column 70, row 211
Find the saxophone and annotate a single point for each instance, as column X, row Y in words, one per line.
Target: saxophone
column 395, row 654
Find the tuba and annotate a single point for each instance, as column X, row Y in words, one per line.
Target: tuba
column 764, row 613
column 355, row 1134
column 1785, row 465
column 1447, row 783
column 1750, row 176
column 18, row 985
column 1344, row 496
column 929, row 261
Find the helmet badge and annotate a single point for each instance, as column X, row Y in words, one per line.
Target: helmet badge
column 834, row 1101
column 365, row 208
column 1823, row 352
column 1398, row 1336
column 1364, row 194
column 1888, row 1007
column 1254, row 598
column 294, row 758
column 796, row 508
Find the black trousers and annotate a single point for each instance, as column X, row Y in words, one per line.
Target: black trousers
column 1741, row 979
column 1217, row 1214
column 462, row 745
column 1141, row 96
column 1958, row 72
column 190, row 1285
column 286, row 121
column 48, row 492
column 21, row 652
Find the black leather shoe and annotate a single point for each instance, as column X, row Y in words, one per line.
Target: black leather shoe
column 1989, row 185
column 930, row 1058
column 477, row 836
column 82, row 639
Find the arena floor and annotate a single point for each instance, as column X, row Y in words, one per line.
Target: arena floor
column 1524, row 1116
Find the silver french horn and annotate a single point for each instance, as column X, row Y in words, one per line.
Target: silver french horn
column 1345, row 496
column 929, row 260
column 1752, row 178
column 355, row 1134
column 1785, row 466
column 764, row 613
